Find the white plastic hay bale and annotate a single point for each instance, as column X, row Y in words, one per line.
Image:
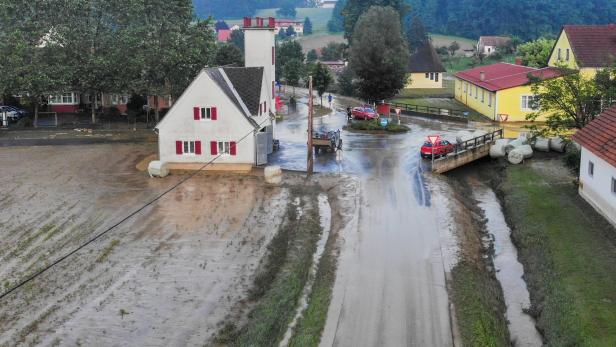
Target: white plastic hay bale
column 497, row 150
column 515, row 156
column 157, row 168
column 273, row 174
column 463, row 135
column 478, row 133
column 526, row 150
column 503, row 142
column 515, row 144
column 557, row 144
column 542, row 144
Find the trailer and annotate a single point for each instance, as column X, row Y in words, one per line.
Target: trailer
column 329, row 141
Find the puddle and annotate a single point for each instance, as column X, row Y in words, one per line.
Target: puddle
column 325, row 214
column 509, row 272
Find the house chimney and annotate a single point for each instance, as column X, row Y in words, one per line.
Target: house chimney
column 247, row 22
column 482, row 76
column 518, row 61
column 612, row 25
column 272, row 22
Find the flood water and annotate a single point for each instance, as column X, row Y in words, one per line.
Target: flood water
column 509, row 271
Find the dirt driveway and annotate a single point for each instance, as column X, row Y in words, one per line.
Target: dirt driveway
column 167, row 277
column 390, row 288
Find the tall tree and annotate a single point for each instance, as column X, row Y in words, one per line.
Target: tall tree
column 292, row 72
column 228, row 55
column 355, row 8
column 321, row 79
column 307, row 26
column 312, row 56
column 346, row 83
column 334, row 51
column 379, row 54
column 237, row 39
column 336, row 23
column 416, row 33
column 536, row 53
column 287, row 9
column 286, row 52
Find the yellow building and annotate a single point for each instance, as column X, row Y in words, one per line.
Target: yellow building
column 500, row 91
column 587, row 48
column 425, row 69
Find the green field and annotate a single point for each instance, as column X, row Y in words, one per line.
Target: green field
column 568, row 251
column 318, row 16
column 445, row 40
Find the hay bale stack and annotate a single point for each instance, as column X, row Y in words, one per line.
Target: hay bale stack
column 515, row 156
column 557, row 144
column 542, row 144
column 273, row 174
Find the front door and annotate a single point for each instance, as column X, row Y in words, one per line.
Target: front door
column 262, row 148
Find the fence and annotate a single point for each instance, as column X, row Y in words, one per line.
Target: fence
column 477, row 141
column 440, row 111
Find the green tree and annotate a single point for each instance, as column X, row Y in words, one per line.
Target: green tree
column 292, row 72
column 237, row 39
column 334, row 51
column 379, row 54
column 346, row 82
column 286, row 52
column 567, row 102
column 336, row 23
column 290, row 31
column 356, row 8
column 416, row 34
column 454, row 47
column 282, row 34
column 312, row 56
column 287, row 9
column 536, row 53
column 321, row 79
column 228, row 54
column 307, row 26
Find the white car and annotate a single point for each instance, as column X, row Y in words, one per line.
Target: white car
column 10, row 112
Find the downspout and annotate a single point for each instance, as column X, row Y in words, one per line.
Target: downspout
column 495, row 104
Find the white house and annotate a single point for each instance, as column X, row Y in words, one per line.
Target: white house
column 488, row 45
column 226, row 113
column 598, row 163
column 327, row 3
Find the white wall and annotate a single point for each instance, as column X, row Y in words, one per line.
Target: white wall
column 179, row 125
column 597, row 189
column 258, row 43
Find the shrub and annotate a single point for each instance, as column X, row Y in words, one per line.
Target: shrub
column 24, row 122
column 572, row 158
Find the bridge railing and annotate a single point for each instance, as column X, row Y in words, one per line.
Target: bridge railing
column 478, row 141
column 441, row 111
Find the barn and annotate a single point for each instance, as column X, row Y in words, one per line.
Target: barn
column 227, row 113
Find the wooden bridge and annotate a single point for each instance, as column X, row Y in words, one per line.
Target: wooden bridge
column 467, row 152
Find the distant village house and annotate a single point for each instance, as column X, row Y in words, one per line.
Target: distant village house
column 425, row 68
column 284, row 24
column 489, row 45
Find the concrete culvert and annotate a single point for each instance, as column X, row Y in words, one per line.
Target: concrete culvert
column 557, row 144
column 542, row 144
column 273, row 174
column 515, row 156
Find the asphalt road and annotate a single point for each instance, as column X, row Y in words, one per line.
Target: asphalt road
column 390, row 288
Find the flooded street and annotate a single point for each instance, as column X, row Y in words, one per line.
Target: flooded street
column 390, row 288
column 509, row 272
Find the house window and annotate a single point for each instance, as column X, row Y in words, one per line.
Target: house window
column 67, row 98
column 591, row 168
column 489, row 49
column 431, row 76
column 489, row 99
column 223, row 147
column 427, row 75
column 476, row 92
column 465, row 87
column 613, row 185
column 483, row 97
column 206, row 113
column 529, row 102
column 567, row 55
column 559, row 54
column 115, row 99
column 436, row 77
column 188, row 147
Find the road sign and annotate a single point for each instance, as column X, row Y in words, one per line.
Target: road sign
column 434, row 139
column 398, row 111
column 384, row 122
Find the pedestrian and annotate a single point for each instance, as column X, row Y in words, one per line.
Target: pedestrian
column 349, row 113
column 330, row 98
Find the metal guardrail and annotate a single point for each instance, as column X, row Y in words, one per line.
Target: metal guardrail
column 431, row 110
column 477, row 141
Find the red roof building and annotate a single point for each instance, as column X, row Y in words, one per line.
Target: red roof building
column 501, row 76
column 593, row 46
column 598, row 163
column 224, row 35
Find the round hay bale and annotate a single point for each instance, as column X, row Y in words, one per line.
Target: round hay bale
column 497, row 150
column 503, row 142
column 157, row 168
column 542, row 144
column 515, row 156
column 526, row 150
column 273, row 174
column 515, row 144
column 557, row 144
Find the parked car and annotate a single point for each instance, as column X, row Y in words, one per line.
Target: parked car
column 364, row 112
column 441, row 148
column 20, row 111
column 10, row 113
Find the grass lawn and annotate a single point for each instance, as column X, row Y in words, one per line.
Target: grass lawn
column 445, row 92
column 318, row 16
column 445, row 40
column 319, row 40
column 569, row 255
column 446, row 102
column 458, row 62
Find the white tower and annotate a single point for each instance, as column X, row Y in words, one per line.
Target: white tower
column 260, row 50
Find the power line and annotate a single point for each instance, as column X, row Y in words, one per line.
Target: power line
column 129, row 216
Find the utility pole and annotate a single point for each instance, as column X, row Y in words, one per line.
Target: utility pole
column 310, row 162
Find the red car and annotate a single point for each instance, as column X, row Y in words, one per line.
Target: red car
column 364, row 112
column 441, row 148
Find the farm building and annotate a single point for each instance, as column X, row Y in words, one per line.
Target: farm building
column 500, row 91
column 598, row 163
column 227, row 112
column 488, row 45
column 585, row 47
column 425, row 68
column 327, row 3
column 284, row 24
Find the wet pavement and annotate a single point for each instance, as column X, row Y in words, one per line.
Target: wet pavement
column 390, row 288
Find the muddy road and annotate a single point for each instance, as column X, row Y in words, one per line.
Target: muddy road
column 390, row 288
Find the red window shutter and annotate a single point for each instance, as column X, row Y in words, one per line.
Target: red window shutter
column 232, row 148
column 178, row 147
column 197, row 113
column 214, row 147
column 197, row 147
column 214, row 113
column 273, row 90
column 273, row 55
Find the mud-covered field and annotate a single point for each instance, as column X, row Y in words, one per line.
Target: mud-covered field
column 168, row 276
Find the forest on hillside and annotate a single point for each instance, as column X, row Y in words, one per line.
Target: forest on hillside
column 221, row 9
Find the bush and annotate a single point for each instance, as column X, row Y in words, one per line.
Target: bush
column 24, row 122
column 111, row 112
column 373, row 125
column 572, row 158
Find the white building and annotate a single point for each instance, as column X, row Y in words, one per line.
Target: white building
column 327, row 3
column 227, row 113
column 598, row 163
column 488, row 45
column 284, row 24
